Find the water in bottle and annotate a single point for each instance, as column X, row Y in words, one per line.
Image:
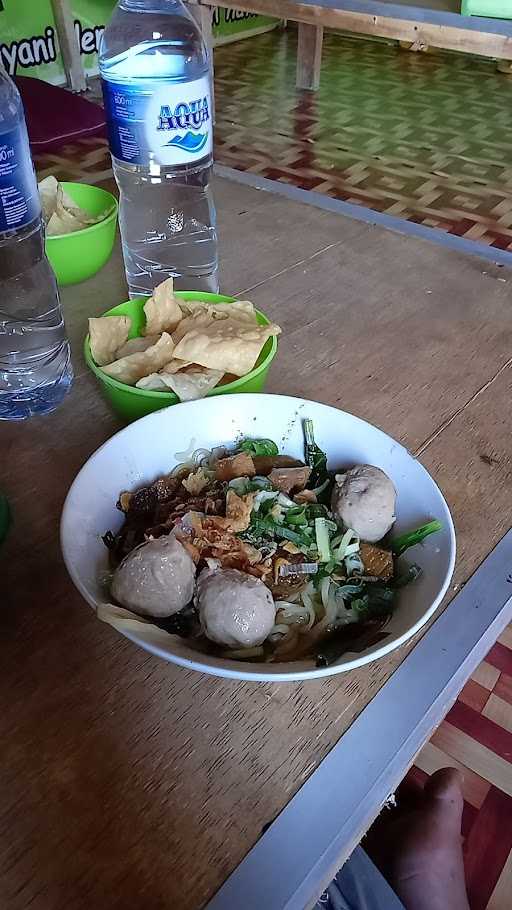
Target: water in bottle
column 156, row 85
column 35, row 365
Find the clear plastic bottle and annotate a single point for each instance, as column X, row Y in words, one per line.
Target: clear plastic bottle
column 156, row 85
column 35, row 364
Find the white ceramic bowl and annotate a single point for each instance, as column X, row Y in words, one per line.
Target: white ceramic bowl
column 147, row 449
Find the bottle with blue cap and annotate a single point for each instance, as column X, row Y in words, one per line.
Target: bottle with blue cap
column 155, row 73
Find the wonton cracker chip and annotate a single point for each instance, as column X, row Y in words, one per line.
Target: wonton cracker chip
column 162, row 310
column 189, row 384
column 136, row 345
column 133, row 367
column 106, row 335
column 61, row 214
column 226, row 345
column 193, row 383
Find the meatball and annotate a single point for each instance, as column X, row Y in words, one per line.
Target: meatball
column 156, row 578
column 364, row 499
column 235, row 609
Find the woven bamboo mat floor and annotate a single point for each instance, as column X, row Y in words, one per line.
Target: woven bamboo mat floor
column 422, row 137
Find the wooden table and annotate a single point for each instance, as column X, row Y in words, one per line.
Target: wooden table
column 128, row 782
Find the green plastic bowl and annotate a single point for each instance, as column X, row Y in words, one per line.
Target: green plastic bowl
column 130, row 403
column 78, row 256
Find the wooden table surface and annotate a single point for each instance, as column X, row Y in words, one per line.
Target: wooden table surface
column 126, row 782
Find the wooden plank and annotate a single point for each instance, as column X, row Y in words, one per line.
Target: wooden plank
column 425, row 33
column 499, row 711
column 69, row 45
column 309, row 56
column 110, row 753
column 436, row 12
column 486, row 676
column 436, row 298
column 357, row 212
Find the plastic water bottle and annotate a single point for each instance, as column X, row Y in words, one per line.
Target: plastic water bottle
column 156, row 85
column 35, row 365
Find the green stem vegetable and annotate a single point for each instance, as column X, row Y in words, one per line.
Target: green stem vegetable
column 322, row 540
column 271, row 529
column 402, row 543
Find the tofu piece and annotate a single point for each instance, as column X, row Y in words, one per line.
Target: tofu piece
column 240, row 465
column 287, row 479
column 264, row 464
column 377, row 561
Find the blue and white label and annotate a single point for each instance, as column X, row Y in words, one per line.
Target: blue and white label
column 169, row 123
column 19, row 197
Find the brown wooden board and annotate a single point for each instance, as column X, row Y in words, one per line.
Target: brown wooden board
column 383, row 26
column 309, row 56
column 126, row 781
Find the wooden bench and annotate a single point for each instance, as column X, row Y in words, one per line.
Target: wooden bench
column 437, row 24
column 69, row 45
column 418, row 26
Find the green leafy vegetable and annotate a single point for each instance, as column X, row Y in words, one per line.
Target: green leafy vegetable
column 402, row 543
column 316, row 510
column 266, row 527
column 296, row 516
column 244, row 485
column 271, row 505
column 377, row 600
column 324, row 488
column 347, row 592
column 259, row 447
column 406, row 576
column 315, row 458
column 184, row 623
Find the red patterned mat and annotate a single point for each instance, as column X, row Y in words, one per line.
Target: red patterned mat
column 476, row 737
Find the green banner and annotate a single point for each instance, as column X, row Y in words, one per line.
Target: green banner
column 29, row 44
column 28, row 37
column 228, row 23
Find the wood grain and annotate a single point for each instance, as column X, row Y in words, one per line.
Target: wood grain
column 418, row 33
column 397, row 330
column 309, row 56
column 69, row 45
column 125, row 781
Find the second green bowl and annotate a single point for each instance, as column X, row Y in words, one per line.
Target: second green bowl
column 78, row 256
